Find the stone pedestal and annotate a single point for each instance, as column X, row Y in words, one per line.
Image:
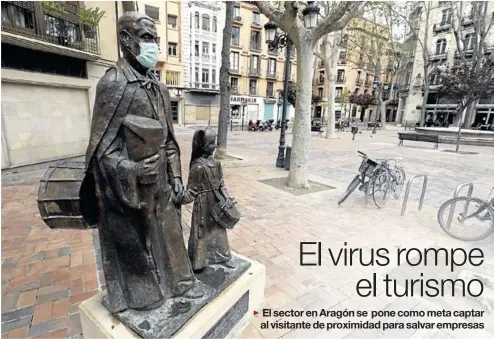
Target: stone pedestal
column 224, row 316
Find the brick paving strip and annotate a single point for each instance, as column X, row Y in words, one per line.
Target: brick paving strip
column 47, row 273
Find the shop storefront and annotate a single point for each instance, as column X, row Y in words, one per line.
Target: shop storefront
column 251, row 107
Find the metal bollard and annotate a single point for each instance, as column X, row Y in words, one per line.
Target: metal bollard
column 456, row 194
column 407, row 192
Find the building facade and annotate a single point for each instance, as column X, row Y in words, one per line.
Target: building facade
column 202, row 27
column 51, row 64
column 256, row 74
column 169, row 69
column 442, row 49
column 355, row 74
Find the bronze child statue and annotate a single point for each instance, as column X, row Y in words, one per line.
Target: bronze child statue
column 214, row 210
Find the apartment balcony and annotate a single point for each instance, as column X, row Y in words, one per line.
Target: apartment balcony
column 31, row 25
column 359, row 82
column 206, row 58
column 272, row 75
column 341, row 62
column 340, row 80
column 442, row 27
column 237, row 43
column 467, row 20
column 438, row 56
column 368, row 83
column 338, row 98
column 275, row 51
column 255, row 46
column 270, row 94
column 204, row 87
column 256, row 24
column 254, row 71
column 320, row 81
column 238, row 20
column 236, row 69
column 252, row 91
column 467, row 53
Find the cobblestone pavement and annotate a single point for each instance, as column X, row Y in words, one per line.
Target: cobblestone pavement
column 46, row 273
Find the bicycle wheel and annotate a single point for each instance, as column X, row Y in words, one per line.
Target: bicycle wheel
column 380, row 189
column 466, row 218
column 353, row 185
column 398, row 182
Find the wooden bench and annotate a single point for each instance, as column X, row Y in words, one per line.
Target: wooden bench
column 372, row 124
column 419, row 137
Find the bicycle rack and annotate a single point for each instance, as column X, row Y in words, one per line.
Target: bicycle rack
column 407, row 192
column 453, row 205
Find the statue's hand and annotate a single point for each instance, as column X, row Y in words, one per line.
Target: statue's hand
column 230, row 202
column 147, row 169
column 178, row 190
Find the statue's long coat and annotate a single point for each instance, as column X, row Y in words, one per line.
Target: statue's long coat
column 132, row 280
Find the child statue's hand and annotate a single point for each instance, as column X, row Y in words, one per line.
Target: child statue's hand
column 230, row 202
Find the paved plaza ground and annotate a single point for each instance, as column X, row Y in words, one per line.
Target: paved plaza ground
column 47, row 273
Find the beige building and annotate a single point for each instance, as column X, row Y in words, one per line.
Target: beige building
column 51, row 65
column 256, row 74
column 355, row 74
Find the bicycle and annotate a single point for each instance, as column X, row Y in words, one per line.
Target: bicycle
column 366, row 171
column 483, row 211
column 388, row 180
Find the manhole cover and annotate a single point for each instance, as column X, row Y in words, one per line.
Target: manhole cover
column 280, row 183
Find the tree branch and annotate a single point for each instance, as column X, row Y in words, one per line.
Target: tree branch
column 338, row 18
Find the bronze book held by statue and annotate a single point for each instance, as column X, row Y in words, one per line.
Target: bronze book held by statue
column 144, row 137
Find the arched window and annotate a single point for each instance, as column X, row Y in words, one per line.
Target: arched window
column 197, row 20
column 441, row 46
column 215, row 24
column 205, row 23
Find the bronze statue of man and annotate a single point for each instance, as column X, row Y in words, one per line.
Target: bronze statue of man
column 143, row 252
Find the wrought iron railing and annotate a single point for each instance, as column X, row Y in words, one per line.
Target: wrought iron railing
column 31, row 19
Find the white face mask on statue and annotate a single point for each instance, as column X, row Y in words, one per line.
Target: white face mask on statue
column 149, row 53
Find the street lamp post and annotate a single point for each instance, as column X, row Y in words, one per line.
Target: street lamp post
column 377, row 85
column 278, row 41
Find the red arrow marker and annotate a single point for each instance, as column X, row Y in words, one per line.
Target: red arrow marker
column 256, row 313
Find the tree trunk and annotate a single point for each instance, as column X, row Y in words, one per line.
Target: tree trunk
column 383, row 113
column 298, row 176
column 221, row 151
column 331, row 70
column 424, row 103
column 460, row 114
column 331, row 131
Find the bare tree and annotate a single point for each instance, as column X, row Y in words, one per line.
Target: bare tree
column 221, row 151
column 466, row 82
column 290, row 19
column 470, row 31
column 327, row 52
column 375, row 47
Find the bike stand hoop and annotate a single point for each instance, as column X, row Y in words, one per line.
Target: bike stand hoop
column 453, row 205
column 407, row 192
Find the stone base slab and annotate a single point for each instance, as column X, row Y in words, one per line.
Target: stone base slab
column 225, row 316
